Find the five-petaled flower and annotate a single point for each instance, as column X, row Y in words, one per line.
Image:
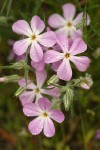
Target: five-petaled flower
column 67, row 25
column 34, row 92
column 68, row 53
column 33, row 38
column 44, row 113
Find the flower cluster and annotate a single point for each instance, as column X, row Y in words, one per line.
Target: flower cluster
column 58, row 48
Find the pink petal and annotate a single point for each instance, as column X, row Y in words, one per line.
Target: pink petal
column 21, row 46
column 32, row 110
column 64, row 71
column 81, row 62
column 39, row 66
column 41, row 77
column 47, row 39
column 62, row 31
column 75, row 34
column 27, row 97
column 69, row 11
column 49, row 129
column 36, row 52
column 30, row 84
column 57, row 115
column 55, row 65
column 56, row 21
column 36, row 126
column 37, row 25
column 44, row 104
column 11, row 56
column 78, row 47
column 54, row 92
column 85, row 86
column 52, row 56
column 80, row 17
column 22, row 27
column 63, row 43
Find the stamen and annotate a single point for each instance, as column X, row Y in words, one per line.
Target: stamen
column 67, row 55
column 69, row 24
column 45, row 114
column 33, row 37
column 37, row 90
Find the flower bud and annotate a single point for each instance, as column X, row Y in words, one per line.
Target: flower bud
column 53, row 80
column 86, row 82
column 12, row 78
column 19, row 91
column 68, row 98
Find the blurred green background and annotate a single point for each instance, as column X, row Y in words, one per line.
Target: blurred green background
column 75, row 133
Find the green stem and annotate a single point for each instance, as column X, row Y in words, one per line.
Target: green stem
column 83, row 130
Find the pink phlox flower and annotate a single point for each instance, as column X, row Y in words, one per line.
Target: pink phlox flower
column 43, row 112
column 35, row 91
column 64, row 70
column 67, row 25
column 40, row 66
column 33, row 38
column 98, row 134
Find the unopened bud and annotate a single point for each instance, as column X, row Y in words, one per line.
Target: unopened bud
column 53, row 80
column 2, row 79
column 68, row 98
column 18, row 65
column 19, row 91
column 86, row 82
column 12, row 78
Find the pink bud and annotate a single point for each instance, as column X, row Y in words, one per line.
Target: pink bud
column 2, row 79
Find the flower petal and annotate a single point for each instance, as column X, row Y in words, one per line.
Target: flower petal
column 36, row 52
column 85, row 86
column 36, row 125
column 55, row 65
column 75, row 34
column 69, row 11
column 44, row 104
column 81, row 62
column 27, row 97
column 21, row 46
column 41, row 77
column 54, row 92
column 30, row 84
column 37, row 25
column 38, row 96
column 57, row 115
column 52, row 56
column 39, row 66
column 64, row 71
column 22, row 27
column 47, row 39
column 49, row 129
column 62, row 31
column 32, row 109
column 63, row 43
column 79, row 18
column 56, row 21
column 78, row 47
